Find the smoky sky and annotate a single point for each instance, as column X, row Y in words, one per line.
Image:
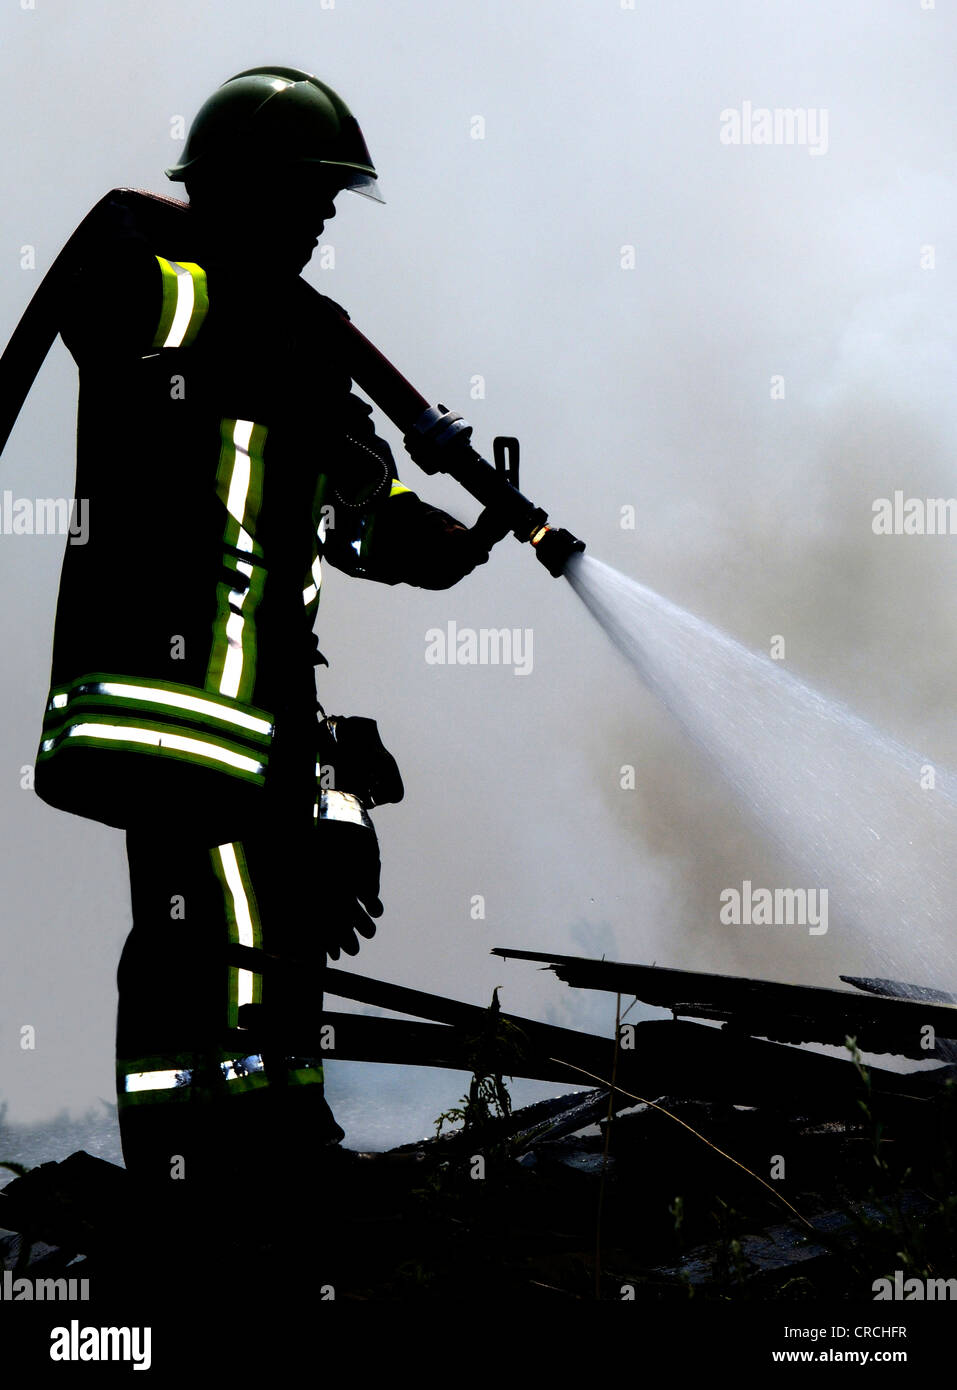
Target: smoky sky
column 571, row 254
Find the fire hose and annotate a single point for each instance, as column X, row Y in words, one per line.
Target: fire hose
column 437, row 438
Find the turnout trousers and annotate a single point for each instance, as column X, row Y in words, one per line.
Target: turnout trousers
column 194, row 1100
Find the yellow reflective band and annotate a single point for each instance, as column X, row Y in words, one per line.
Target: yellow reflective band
column 239, row 479
column 185, row 303
column 209, row 709
column 160, row 740
column 239, row 485
column 242, row 913
column 234, row 1069
column 397, row 487
column 235, row 625
column 243, row 925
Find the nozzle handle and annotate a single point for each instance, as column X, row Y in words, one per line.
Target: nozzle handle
column 492, row 526
column 505, row 454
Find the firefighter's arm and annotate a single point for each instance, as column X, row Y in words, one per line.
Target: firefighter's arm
column 382, row 530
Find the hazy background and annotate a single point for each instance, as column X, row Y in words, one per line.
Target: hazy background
column 501, row 258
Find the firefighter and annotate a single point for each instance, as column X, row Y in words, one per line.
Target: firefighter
column 224, row 458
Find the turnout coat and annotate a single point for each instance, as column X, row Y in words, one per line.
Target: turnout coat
column 223, row 457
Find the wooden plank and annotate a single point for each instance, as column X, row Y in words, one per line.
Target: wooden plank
column 764, row 1008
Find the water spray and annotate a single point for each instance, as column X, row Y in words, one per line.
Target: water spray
column 847, row 802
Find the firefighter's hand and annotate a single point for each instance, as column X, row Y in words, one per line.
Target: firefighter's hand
column 450, row 552
column 349, row 854
column 344, row 921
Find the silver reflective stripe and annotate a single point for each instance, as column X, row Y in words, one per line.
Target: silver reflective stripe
column 242, row 1066
column 155, row 1080
column 209, row 709
column 150, row 738
column 233, row 661
column 342, row 806
column 239, row 480
column 247, row 932
column 242, row 921
column 311, row 591
column 185, row 303
column 233, row 1070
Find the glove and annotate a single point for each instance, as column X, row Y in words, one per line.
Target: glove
column 361, row 764
column 445, row 551
column 350, row 856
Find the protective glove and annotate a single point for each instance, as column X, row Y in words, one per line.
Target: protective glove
column 349, row 851
column 360, row 762
column 437, row 550
column 453, row 552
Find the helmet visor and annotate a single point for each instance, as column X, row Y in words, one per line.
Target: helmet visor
column 358, row 182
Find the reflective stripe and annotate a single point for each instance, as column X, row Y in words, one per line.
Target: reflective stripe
column 311, row 591
column 185, row 303
column 239, row 481
column 159, row 705
column 232, row 660
column 168, row 695
column 243, row 925
column 155, row 1080
column 397, row 487
column 132, row 1087
column 342, row 806
column 156, row 739
column 239, row 484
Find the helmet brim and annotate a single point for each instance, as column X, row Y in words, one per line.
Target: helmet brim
column 366, row 185
column 346, row 176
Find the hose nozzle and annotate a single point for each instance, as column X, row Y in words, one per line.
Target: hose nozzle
column 439, row 441
column 555, row 546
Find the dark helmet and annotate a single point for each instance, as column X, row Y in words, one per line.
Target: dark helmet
column 270, row 116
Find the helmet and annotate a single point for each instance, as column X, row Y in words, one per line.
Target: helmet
column 269, row 116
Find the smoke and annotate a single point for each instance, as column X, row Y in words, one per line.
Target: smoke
column 602, row 277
